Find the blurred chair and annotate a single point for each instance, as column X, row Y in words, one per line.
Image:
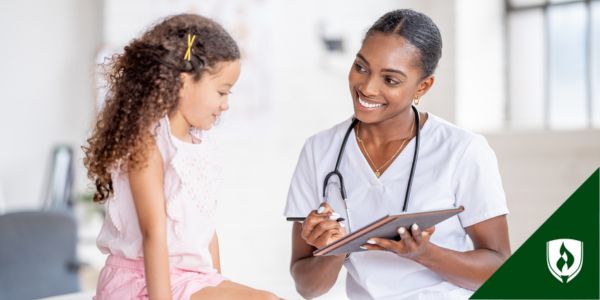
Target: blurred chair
column 37, row 254
column 58, row 191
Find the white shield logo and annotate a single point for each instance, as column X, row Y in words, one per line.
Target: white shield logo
column 564, row 258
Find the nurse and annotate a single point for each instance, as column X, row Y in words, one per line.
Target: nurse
column 392, row 71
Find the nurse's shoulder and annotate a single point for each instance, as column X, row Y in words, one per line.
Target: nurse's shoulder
column 449, row 137
column 328, row 140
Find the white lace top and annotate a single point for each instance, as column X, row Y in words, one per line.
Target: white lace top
column 191, row 179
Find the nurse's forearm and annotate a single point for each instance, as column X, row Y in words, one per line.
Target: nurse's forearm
column 315, row 275
column 466, row 269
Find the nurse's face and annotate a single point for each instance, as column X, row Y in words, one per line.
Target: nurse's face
column 385, row 78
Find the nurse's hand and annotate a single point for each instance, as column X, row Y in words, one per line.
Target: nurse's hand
column 413, row 242
column 321, row 228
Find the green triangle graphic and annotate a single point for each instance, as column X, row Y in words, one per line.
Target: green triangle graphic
column 526, row 274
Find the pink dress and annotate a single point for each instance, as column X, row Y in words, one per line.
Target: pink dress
column 191, row 178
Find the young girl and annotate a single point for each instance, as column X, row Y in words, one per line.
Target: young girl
column 153, row 165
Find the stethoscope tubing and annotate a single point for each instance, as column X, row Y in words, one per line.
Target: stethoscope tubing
column 415, row 158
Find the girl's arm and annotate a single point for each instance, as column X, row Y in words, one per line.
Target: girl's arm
column 214, row 252
column 148, row 196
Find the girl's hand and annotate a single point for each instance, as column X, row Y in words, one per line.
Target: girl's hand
column 321, row 228
column 411, row 244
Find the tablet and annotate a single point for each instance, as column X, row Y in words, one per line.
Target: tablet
column 386, row 227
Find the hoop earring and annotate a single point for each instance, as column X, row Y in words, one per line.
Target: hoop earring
column 416, row 100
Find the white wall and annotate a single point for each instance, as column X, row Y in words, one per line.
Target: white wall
column 480, row 66
column 46, row 88
column 540, row 170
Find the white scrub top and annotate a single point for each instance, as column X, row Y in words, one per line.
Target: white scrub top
column 455, row 167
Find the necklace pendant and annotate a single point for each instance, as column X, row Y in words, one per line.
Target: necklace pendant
column 377, row 173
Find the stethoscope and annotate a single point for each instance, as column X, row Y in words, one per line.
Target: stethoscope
column 337, row 173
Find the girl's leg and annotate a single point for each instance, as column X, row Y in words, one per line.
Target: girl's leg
column 231, row 290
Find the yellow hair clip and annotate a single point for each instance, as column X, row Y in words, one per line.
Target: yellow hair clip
column 188, row 53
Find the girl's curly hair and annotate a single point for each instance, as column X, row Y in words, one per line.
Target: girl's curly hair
column 143, row 86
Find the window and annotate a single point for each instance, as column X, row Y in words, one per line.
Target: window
column 553, row 55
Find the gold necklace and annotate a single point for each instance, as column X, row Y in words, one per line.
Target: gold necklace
column 384, row 165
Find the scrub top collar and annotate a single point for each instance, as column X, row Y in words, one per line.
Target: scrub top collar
column 361, row 166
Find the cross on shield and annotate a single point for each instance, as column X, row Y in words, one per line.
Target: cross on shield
column 564, row 258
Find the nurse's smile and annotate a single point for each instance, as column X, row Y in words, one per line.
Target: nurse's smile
column 369, row 105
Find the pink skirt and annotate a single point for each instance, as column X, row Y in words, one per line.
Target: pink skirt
column 123, row 278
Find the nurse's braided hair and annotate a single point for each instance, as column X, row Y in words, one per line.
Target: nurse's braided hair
column 144, row 83
column 418, row 29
